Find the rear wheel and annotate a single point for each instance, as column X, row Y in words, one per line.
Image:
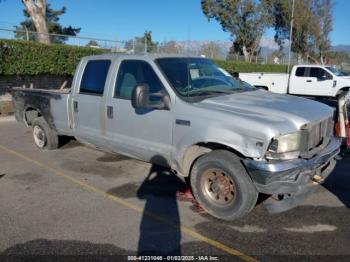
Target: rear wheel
column 44, row 136
column 221, row 185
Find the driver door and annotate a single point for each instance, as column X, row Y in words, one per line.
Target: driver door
column 322, row 83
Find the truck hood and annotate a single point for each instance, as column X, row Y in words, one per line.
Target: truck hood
column 270, row 108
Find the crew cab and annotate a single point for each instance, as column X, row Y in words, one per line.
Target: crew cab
column 232, row 140
column 304, row 80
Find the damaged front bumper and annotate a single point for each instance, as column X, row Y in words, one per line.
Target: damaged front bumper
column 293, row 180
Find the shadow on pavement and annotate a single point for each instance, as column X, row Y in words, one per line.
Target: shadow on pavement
column 64, row 250
column 338, row 182
column 157, row 237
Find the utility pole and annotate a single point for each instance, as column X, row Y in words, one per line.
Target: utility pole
column 290, row 36
column 145, row 44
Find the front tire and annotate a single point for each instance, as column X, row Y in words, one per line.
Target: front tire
column 44, row 136
column 222, row 186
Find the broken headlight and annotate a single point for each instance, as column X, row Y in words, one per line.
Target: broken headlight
column 285, row 146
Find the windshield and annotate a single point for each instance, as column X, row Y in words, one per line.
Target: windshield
column 198, row 77
column 334, row 71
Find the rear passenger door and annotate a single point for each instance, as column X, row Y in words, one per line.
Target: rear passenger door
column 88, row 102
column 143, row 133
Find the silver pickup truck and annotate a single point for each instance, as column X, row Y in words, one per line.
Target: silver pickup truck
column 232, row 140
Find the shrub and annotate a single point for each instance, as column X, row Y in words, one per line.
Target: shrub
column 31, row 58
column 239, row 66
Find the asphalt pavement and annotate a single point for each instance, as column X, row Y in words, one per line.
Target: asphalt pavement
column 80, row 204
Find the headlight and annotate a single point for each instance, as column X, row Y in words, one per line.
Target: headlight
column 285, row 146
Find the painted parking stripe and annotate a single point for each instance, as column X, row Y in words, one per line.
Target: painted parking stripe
column 136, row 208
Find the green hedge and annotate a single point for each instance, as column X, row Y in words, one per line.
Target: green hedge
column 239, row 66
column 31, row 58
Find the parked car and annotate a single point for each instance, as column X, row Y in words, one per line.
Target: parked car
column 305, row 80
column 232, row 140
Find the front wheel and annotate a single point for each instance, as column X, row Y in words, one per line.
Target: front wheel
column 44, row 136
column 222, row 186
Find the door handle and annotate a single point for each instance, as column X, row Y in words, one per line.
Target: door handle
column 309, row 81
column 110, row 111
column 75, row 106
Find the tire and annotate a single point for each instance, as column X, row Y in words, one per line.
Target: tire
column 44, row 136
column 220, row 173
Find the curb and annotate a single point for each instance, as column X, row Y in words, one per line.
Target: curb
column 7, row 119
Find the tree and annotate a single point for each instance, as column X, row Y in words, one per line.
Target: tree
column 311, row 27
column 322, row 10
column 51, row 17
column 36, row 9
column 146, row 42
column 210, row 49
column 92, row 43
column 281, row 11
column 129, row 45
column 170, row 47
column 245, row 20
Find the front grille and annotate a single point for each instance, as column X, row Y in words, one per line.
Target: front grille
column 316, row 136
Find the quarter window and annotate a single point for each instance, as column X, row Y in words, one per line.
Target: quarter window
column 300, row 71
column 132, row 73
column 94, row 77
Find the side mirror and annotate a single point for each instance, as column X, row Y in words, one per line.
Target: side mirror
column 141, row 98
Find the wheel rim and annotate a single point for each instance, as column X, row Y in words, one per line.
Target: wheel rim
column 218, row 187
column 39, row 136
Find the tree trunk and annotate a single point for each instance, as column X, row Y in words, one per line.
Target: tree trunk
column 322, row 58
column 37, row 11
column 246, row 54
column 300, row 58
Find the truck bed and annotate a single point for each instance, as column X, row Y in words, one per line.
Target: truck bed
column 48, row 103
column 274, row 82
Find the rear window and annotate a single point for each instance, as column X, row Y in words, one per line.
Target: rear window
column 94, row 77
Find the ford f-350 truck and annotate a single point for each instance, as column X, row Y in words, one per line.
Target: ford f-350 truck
column 304, row 80
column 232, row 140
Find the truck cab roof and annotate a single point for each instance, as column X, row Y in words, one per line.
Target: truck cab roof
column 143, row 56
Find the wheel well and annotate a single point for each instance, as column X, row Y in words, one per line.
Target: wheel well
column 30, row 114
column 263, row 87
column 346, row 89
column 199, row 149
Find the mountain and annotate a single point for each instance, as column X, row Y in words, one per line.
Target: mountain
column 345, row 48
column 267, row 45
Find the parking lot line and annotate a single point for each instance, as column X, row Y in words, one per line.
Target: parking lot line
column 136, row 208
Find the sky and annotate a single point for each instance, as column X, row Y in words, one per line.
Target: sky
column 167, row 19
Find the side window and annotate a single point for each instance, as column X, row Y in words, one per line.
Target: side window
column 319, row 73
column 300, row 71
column 94, row 77
column 134, row 72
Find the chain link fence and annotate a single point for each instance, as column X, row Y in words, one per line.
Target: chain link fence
column 211, row 49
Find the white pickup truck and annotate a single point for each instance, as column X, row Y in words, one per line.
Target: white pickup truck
column 306, row 80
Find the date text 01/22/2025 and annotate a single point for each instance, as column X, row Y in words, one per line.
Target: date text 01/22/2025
column 173, row 258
